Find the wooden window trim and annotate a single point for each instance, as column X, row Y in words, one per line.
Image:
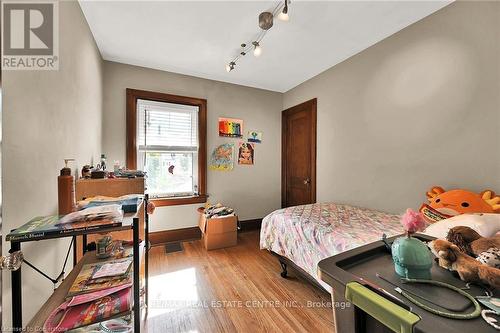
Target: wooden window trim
column 131, row 141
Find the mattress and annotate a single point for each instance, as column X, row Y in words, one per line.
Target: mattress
column 309, row 233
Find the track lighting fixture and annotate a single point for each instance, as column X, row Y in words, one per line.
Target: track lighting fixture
column 266, row 22
column 257, row 49
column 230, row 66
column 283, row 16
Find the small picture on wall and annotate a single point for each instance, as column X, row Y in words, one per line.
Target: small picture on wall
column 255, row 136
column 222, row 157
column 232, row 128
column 246, row 153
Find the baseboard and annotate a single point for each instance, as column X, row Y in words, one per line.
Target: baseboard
column 247, row 225
column 193, row 233
column 178, row 235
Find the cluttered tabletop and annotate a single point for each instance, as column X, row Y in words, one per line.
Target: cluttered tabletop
column 442, row 302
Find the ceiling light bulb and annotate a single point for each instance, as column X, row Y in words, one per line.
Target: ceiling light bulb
column 228, row 68
column 283, row 17
column 257, row 51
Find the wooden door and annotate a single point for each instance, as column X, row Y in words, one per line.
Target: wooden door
column 298, row 170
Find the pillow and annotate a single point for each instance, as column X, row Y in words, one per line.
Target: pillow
column 487, row 225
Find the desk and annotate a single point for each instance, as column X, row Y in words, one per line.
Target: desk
column 364, row 263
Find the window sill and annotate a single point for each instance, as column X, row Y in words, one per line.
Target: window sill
column 159, row 202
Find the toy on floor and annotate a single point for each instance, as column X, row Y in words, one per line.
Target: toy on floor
column 444, row 204
column 471, row 242
column 490, row 257
column 469, row 269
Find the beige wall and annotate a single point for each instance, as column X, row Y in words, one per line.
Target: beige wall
column 253, row 191
column 419, row 108
column 48, row 116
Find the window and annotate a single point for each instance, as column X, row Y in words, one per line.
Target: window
column 166, row 137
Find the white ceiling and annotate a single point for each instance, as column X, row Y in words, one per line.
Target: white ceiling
column 199, row 38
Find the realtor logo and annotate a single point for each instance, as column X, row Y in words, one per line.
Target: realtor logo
column 30, row 35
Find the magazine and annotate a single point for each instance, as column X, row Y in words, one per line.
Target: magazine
column 85, row 283
column 114, row 268
column 85, row 298
column 67, row 317
column 111, row 212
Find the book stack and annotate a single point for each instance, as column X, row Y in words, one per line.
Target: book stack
column 89, row 219
column 112, row 212
column 101, row 291
column 129, row 203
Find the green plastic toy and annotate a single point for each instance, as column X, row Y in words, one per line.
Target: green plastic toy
column 412, row 258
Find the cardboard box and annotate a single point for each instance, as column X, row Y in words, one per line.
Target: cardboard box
column 219, row 232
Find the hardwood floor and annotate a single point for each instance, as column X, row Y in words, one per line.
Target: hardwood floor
column 236, row 289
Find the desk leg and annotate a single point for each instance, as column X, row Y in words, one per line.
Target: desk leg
column 343, row 316
column 137, row 297
column 84, row 244
column 74, row 252
column 17, row 308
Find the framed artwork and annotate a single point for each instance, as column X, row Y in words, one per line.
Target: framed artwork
column 255, row 136
column 246, row 153
column 222, row 157
column 232, row 128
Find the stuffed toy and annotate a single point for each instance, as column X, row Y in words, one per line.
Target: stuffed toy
column 490, row 257
column 485, row 249
column 444, row 204
column 470, row 270
column 470, row 241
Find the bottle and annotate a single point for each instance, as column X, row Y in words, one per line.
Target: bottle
column 116, row 167
column 103, row 162
column 66, row 190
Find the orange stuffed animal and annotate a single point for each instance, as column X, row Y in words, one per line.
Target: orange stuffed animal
column 445, row 204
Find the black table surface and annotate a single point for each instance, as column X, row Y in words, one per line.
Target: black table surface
column 363, row 263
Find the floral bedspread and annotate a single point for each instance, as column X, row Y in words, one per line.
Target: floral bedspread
column 309, row 233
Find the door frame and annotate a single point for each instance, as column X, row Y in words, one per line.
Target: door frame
column 313, row 103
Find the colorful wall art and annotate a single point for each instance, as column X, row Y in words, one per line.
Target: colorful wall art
column 230, row 127
column 222, row 157
column 246, row 153
column 254, row 136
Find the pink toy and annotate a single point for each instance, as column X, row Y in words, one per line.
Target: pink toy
column 412, row 221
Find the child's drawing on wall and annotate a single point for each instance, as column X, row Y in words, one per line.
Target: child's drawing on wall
column 246, row 152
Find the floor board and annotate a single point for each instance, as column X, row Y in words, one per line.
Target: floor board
column 237, row 289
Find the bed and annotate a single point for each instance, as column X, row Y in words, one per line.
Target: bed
column 304, row 235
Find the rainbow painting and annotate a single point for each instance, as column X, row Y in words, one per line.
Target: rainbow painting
column 232, row 128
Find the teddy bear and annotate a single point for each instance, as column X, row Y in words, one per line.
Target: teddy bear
column 470, row 241
column 485, row 249
column 470, row 270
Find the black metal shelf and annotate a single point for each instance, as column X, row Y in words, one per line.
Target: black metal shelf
column 130, row 222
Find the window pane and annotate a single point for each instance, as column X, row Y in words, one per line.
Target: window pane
column 169, row 173
column 167, row 124
column 167, row 143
